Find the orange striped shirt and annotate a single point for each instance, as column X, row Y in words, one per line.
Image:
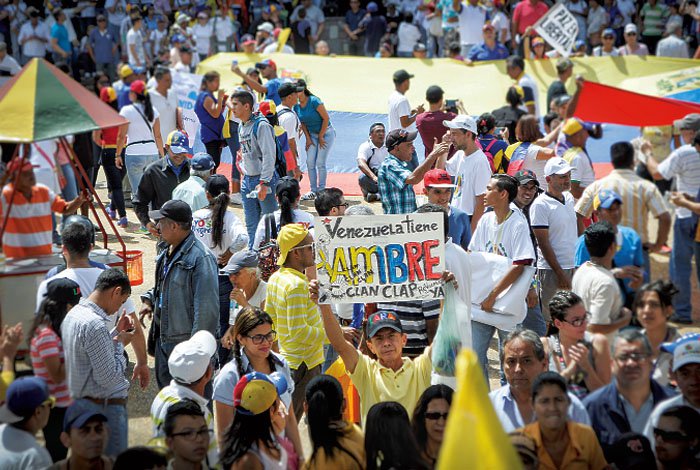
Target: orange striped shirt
column 29, row 226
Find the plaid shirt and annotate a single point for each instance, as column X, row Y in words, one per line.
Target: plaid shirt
column 95, row 363
column 397, row 196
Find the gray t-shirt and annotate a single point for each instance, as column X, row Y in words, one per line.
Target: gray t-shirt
column 20, row 450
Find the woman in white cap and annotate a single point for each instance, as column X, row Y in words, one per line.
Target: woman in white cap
column 203, row 32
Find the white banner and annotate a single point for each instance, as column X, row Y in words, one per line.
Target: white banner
column 380, row 259
column 559, row 28
column 186, row 87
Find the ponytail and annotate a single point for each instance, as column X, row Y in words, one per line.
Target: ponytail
column 218, row 207
column 145, row 99
column 324, row 398
column 287, row 192
column 51, row 313
column 286, row 209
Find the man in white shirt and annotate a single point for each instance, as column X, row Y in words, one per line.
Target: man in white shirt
column 134, row 44
column 469, row 166
column 515, row 68
column 8, row 65
column 672, row 45
column 595, row 283
column 503, row 231
column 553, row 220
column 401, row 116
column 370, row 156
column 33, row 36
column 289, row 120
column 165, row 102
column 472, row 18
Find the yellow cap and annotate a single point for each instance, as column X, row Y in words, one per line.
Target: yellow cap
column 125, row 71
column 288, row 237
column 571, row 126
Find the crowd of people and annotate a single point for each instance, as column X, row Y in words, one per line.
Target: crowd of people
column 595, row 372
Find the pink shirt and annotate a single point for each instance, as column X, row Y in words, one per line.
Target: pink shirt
column 46, row 344
column 527, row 13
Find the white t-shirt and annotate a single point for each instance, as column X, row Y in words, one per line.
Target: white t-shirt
column 298, row 216
column 86, row 278
column 135, row 38
column 560, row 221
column 234, row 235
column 500, row 21
column 408, row 35
column 600, row 293
column 223, row 29
column 20, row 450
column 628, row 9
column 599, row 52
column 473, row 173
column 43, row 155
column 398, row 106
column 202, row 37
column 167, row 111
column 256, row 301
column 510, row 239
column 373, row 155
column 582, row 168
column 34, row 47
column 272, row 48
column 471, row 22
column 289, row 122
column 119, row 14
column 156, row 38
column 684, row 165
column 526, row 81
column 139, row 131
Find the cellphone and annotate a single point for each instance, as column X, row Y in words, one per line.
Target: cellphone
column 234, row 63
column 450, row 104
column 500, row 130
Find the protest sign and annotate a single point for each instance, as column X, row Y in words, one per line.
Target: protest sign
column 186, row 87
column 380, row 259
column 559, row 28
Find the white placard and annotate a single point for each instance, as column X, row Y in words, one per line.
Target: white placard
column 559, row 28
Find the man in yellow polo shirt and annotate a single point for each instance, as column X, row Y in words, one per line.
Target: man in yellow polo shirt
column 390, row 377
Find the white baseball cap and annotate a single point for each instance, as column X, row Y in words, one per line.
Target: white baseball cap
column 630, row 28
column 557, row 166
column 189, row 360
column 462, row 121
column 267, row 27
column 685, row 350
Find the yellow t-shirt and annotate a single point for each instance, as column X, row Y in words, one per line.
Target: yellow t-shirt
column 6, row 378
column 351, row 457
column 376, row 383
column 660, row 138
column 583, row 452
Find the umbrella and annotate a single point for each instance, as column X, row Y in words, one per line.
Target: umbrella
column 41, row 102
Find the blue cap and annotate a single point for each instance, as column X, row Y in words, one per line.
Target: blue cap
column 608, row 32
column 202, row 161
column 178, row 142
column 605, row 198
column 685, row 350
column 79, row 413
column 23, row 397
column 579, row 44
column 139, row 70
column 372, row 7
column 177, row 38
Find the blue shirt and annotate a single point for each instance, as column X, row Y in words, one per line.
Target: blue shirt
column 398, row 197
column 481, row 52
column 102, row 45
column 629, row 253
column 460, row 227
column 353, row 19
column 211, row 126
column 123, row 97
column 509, row 414
column 60, row 33
column 273, row 85
column 309, row 116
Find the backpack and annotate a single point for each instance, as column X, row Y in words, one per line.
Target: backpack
column 269, row 251
column 496, row 167
column 280, row 161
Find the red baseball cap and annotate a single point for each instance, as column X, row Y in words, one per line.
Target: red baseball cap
column 438, row 179
column 266, row 63
column 138, row 87
column 20, row 165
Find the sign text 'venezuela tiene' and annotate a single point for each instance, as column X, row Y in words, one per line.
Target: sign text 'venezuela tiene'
column 381, row 258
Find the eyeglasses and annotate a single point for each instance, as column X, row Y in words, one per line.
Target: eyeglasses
column 193, row 434
column 258, row 339
column 301, row 247
column 579, row 321
column 434, row 416
column 635, row 357
column 345, row 205
column 670, row 436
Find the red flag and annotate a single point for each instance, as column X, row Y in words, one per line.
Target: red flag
column 602, row 103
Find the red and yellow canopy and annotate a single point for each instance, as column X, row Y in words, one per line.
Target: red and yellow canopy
column 41, row 102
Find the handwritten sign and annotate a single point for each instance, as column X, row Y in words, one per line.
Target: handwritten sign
column 380, row 259
column 559, row 28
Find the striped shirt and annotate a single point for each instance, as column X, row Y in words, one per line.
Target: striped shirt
column 684, row 165
column 95, row 363
column 29, row 226
column 297, row 319
column 414, row 316
column 175, row 393
column 639, row 198
column 654, row 19
column 44, row 345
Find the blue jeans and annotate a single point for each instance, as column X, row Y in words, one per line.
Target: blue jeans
column 684, row 247
column 481, row 337
column 254, row 209
column 70, row 190
column 118, row 423
column 535, row 321
column 316, row 159
column 135, row 166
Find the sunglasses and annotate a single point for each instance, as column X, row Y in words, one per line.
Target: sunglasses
column 670, row 436
column 311, row 245
column 434, row 416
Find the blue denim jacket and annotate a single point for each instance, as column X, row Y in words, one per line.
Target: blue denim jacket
column 186, row 300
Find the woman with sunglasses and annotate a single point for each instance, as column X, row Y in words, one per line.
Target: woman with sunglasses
column 252, row 352
column 581, row 357
column 429, row 420
column 653, row 306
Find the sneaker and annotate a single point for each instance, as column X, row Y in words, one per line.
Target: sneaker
column 236, row 199
column 373, row 197
column 123, row 222
column 310, row 196
column 112, row 213
column 143, row 230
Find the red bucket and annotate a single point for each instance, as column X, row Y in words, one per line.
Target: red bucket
column 134, row 265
